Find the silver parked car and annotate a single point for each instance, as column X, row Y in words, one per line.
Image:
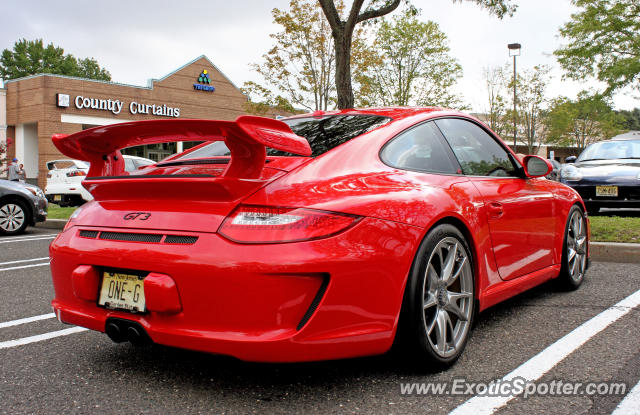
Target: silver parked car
column 21, row 205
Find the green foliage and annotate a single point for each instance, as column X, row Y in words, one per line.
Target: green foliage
column 603, row 41
column 301, row 64
column 261, row 100
column 343, row 30
column 30, row 57
column 579, row 122
column 411, row 65
column 496, row 81
column 631, row 119
column 531, row 95
column 500, row 8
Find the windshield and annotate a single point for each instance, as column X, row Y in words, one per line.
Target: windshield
column 608, row 150
column 323, row 133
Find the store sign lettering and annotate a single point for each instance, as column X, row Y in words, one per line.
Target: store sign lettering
column 115, row 107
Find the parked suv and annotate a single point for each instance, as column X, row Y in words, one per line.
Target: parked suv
column 64, row 179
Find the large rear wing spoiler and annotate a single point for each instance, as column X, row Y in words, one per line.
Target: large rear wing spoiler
column 247, row 138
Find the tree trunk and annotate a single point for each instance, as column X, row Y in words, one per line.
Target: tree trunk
column 344, row 89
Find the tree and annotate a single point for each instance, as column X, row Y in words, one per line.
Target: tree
column 3, row 156
column 496, row 81
column 412, row 65
column 532, row 86
column 268, row 101
column 301, row 63
column 342, row 31
column 603, row 41
column 30, row 57
column 579, row 122
column 632, row 119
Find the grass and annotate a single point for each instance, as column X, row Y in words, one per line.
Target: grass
column 615, row 229
column 57, row 212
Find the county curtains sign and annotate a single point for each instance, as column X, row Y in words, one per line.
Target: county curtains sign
column 115, row 106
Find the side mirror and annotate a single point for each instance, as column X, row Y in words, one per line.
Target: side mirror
column 536, row 166
column 570, row 159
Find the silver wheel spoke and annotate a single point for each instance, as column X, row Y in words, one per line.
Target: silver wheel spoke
column 449, row 263
column 571, row 253
column 441, row 333
column 430, row 301
column 455, row 309
column 455, row 276
column 432, row 277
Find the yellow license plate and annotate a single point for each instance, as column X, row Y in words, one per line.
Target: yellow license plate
column 606, row 190
column 57, row 198
column 122, row 291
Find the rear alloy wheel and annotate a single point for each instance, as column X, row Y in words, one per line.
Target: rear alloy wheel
column 574, row 253
column 439, row 309
column 13, row 218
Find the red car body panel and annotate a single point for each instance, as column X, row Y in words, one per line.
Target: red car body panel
column 334, row 297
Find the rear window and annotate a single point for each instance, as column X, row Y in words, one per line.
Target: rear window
column 323, row 134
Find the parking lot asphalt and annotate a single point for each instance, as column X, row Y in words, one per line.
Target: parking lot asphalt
column 45, row 370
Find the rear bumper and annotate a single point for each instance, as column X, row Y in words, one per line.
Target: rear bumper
column 65, row 193
column 325, row 299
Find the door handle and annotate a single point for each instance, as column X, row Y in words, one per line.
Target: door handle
column 495, row 209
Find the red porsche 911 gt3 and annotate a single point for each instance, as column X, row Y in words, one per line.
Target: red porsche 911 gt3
column 320, row 236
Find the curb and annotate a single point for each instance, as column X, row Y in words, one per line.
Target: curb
column 52, row 224
column 615, row 252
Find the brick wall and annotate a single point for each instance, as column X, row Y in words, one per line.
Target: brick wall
column 33, row 100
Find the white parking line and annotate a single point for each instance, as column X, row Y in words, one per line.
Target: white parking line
column 24, row 260
column 630, row 405
column 3, row 241
column 25, row 266
column 19, row 238
column 40, row 337
column 544, row 361
column 26, row 320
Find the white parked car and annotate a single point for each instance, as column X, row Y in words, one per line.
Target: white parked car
column 65, row 176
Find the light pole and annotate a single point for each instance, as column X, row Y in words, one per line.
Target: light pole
column 514, row 50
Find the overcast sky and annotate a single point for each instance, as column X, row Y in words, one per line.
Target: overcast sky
column 140, row 39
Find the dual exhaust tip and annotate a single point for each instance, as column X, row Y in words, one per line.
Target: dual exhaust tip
column 121, row 330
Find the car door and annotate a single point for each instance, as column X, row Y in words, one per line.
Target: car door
column 520, row 211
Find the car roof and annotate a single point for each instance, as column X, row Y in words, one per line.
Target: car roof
column 395, row 113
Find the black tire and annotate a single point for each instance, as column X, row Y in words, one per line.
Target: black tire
column 14, row 217
column 574, row 250
column 422, row 306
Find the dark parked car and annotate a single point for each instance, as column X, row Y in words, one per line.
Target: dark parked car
column 20, row 205
column 555, row 173
column 606, row 174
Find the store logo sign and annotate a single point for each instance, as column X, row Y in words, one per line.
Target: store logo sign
column 203, row 82
column 62, row 100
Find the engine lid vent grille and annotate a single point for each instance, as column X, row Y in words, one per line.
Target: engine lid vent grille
column 154, row 238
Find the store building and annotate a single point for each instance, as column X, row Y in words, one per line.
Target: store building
column 41, row 105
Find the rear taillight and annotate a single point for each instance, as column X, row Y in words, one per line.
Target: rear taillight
column 265, row 224
column 74, row 173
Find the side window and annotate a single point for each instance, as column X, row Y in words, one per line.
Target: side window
column 141, row 163
column 128, row 165
column 477, row 152
column 419, row 148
